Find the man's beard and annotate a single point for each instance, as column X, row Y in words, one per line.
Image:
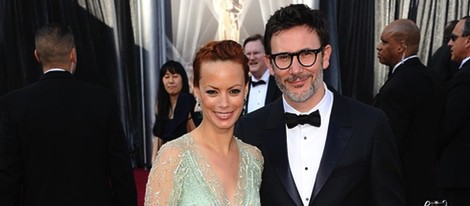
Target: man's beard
column 304, row 96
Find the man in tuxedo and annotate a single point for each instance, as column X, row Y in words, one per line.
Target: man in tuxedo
column 262, row 89
column 61, row 139
column 320, row 148
column 453, row 178
column 413, row 99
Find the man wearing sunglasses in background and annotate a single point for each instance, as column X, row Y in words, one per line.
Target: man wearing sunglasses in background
column 453, row 174
column 320, row 148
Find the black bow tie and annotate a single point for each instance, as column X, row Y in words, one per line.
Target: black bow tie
column 293, row 120
column 257, row 83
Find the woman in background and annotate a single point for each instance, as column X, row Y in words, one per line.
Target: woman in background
column 174, row 105
column 209, row 166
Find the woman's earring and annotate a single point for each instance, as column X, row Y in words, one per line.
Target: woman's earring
column 198, row 105
column 244, row 109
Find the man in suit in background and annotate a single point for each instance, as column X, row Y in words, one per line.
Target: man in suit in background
column 263, row 89
column 453, row 173
column 320, row 148
column 413, row 99
column 61, row 139
column 440, row 61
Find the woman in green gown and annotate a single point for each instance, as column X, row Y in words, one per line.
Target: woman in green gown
column 210, row 166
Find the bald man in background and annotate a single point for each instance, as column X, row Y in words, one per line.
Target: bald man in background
column 61, row 139
column 413, row 99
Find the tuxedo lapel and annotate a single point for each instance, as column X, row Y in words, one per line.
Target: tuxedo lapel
column 245, row 106
column 277, row 149
column 339, row 132
column 464, row 69
column 270, row 90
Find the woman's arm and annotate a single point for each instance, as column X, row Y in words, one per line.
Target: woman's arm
column 161, row 180
column 156, row 144
column 190, row 123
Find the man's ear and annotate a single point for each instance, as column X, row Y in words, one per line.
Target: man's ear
column 467, row 42
column 403, row 47
column 267, row 61
column 73, row 56
column 326, row 56
column 36, row 56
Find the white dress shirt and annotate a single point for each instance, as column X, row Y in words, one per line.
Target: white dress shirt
column 305, row 144
column 463, row 62
column 55, row 69
column 403, row 61
column 257, row 95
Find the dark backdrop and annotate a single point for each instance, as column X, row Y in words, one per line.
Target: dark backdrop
column 97, row 51
column 111, row 59
column 355, row 22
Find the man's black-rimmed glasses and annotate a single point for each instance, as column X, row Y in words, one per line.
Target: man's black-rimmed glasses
column 306, row 58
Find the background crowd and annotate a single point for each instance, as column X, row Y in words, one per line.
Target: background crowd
column 126, row 42
column 413, row 145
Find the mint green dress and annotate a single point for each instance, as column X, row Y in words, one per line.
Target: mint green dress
column 182, row 176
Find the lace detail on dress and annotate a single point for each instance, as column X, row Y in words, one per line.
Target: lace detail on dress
column 161, row 176
column 182, row 176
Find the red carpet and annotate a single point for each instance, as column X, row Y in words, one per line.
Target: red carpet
column 140, row 175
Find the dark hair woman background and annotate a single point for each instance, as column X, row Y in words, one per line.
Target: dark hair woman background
column 175, row 105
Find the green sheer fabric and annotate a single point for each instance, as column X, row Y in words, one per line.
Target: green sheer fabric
column 182, row 176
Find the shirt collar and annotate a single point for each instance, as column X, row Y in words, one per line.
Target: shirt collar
column 265, row 77
column 403, row 61
column 463, row 62
column 54, row 70
column 322, row 106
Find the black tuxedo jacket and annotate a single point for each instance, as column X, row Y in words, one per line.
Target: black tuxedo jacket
column 454, row 161
column 413, row 99
column 62, row 143
column 272, row 93
column 359, row 165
